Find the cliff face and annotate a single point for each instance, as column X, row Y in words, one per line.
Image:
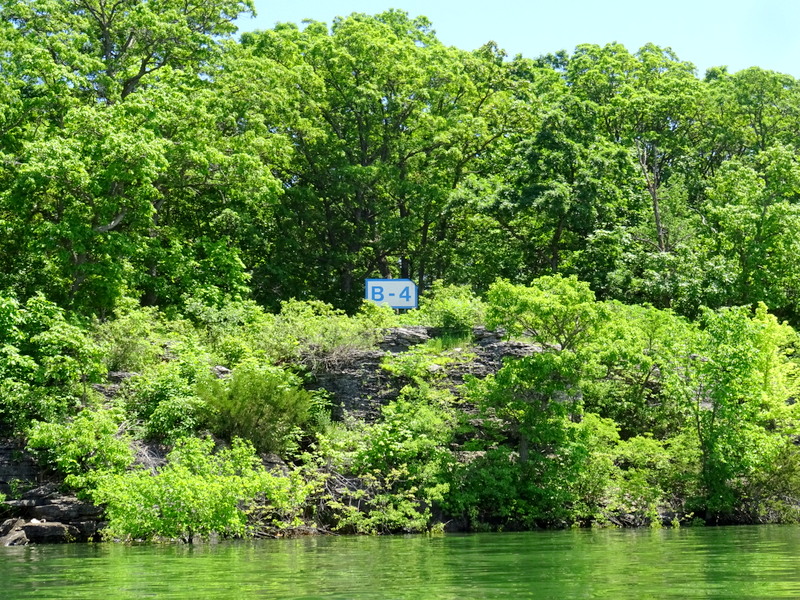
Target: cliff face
column 360, row 386
column 16, row 467
column 40, row 512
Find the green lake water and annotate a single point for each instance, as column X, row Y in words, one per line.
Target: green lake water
column 730, row 562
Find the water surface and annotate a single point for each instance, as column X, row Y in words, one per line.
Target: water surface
column 732, row 562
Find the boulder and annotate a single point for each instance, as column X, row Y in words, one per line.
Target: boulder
column 220, row 372
column 50, row 533
column 10, row 525
column 15, row 537
column 66, row 509
column 120, row 376
column 360, row 387
column 400, row 339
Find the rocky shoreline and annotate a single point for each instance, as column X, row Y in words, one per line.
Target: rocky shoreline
column 359, row 387
column 45, row 515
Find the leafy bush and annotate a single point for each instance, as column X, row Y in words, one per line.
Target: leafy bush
column 46, row 363
column 83, row 447
column 626, row 365
column 456, row 309
column 554, row 310
column 262, row 403
column 311, row 333
column 735, row 386
column 163, row 402
column 386, row 477
column 138, row 338
column 563, row 485
column 315, row 334
column 230, row 327
column 200, row 492
column 642, row 482
column 425, row 362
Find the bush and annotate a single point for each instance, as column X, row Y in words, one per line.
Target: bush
column 138, row 338
column 261, row 403
column 311, row 334
column 564, row 485
column 46, row 363
column 164, row 402
column 626, row 365
column 387, row 477
column 453, row 308
column 556, row 311
column 80, row 449
column 316, row 335
column 425, row 362
column 200, row 492
column 231, row 328
column 642, row 482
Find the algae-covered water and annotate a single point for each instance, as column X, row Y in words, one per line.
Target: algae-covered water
column 731, row 562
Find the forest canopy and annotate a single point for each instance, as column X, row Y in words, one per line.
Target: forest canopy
column 147, row 153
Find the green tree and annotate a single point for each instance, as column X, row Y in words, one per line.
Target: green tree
column 387, row 122
column 114, row 145
column 753, row 214
column 736, row 384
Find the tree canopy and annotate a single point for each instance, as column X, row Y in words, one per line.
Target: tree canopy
column 146, row 152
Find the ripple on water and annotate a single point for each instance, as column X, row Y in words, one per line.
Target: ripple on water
column 731, row 562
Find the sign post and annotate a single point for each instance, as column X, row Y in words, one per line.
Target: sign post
column 397, row 293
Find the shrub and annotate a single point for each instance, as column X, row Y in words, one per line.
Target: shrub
column 261, row 403
column 138, row 338
column 311, row 333
column 555, row 310
column 89, row 444
column 200, row 492
column 564, row 485
column 230, row 327
column 316, row 335
column 386, row 477
column 642, row 482
column 46, row 363
column 455, row 309
column 163, row 400
column 425, row 362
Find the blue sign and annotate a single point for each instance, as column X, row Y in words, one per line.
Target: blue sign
column 397, row 293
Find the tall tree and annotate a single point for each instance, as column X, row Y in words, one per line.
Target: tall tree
column 387, row 123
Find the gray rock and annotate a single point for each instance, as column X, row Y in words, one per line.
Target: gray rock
column 483, row 336
column 89, row 530
column 15, row 538
column 150, row 455
column 17, row 467
column 50, row 533
column 20, row 506
column 274, row 463
column 66, row 509
column 400, row 339
column 358, row 388
column 120, row 376
column 40, row 493
column 108, row 390
column 220, row 372
column 9, row 525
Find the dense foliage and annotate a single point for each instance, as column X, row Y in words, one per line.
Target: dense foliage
column 173, row 199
